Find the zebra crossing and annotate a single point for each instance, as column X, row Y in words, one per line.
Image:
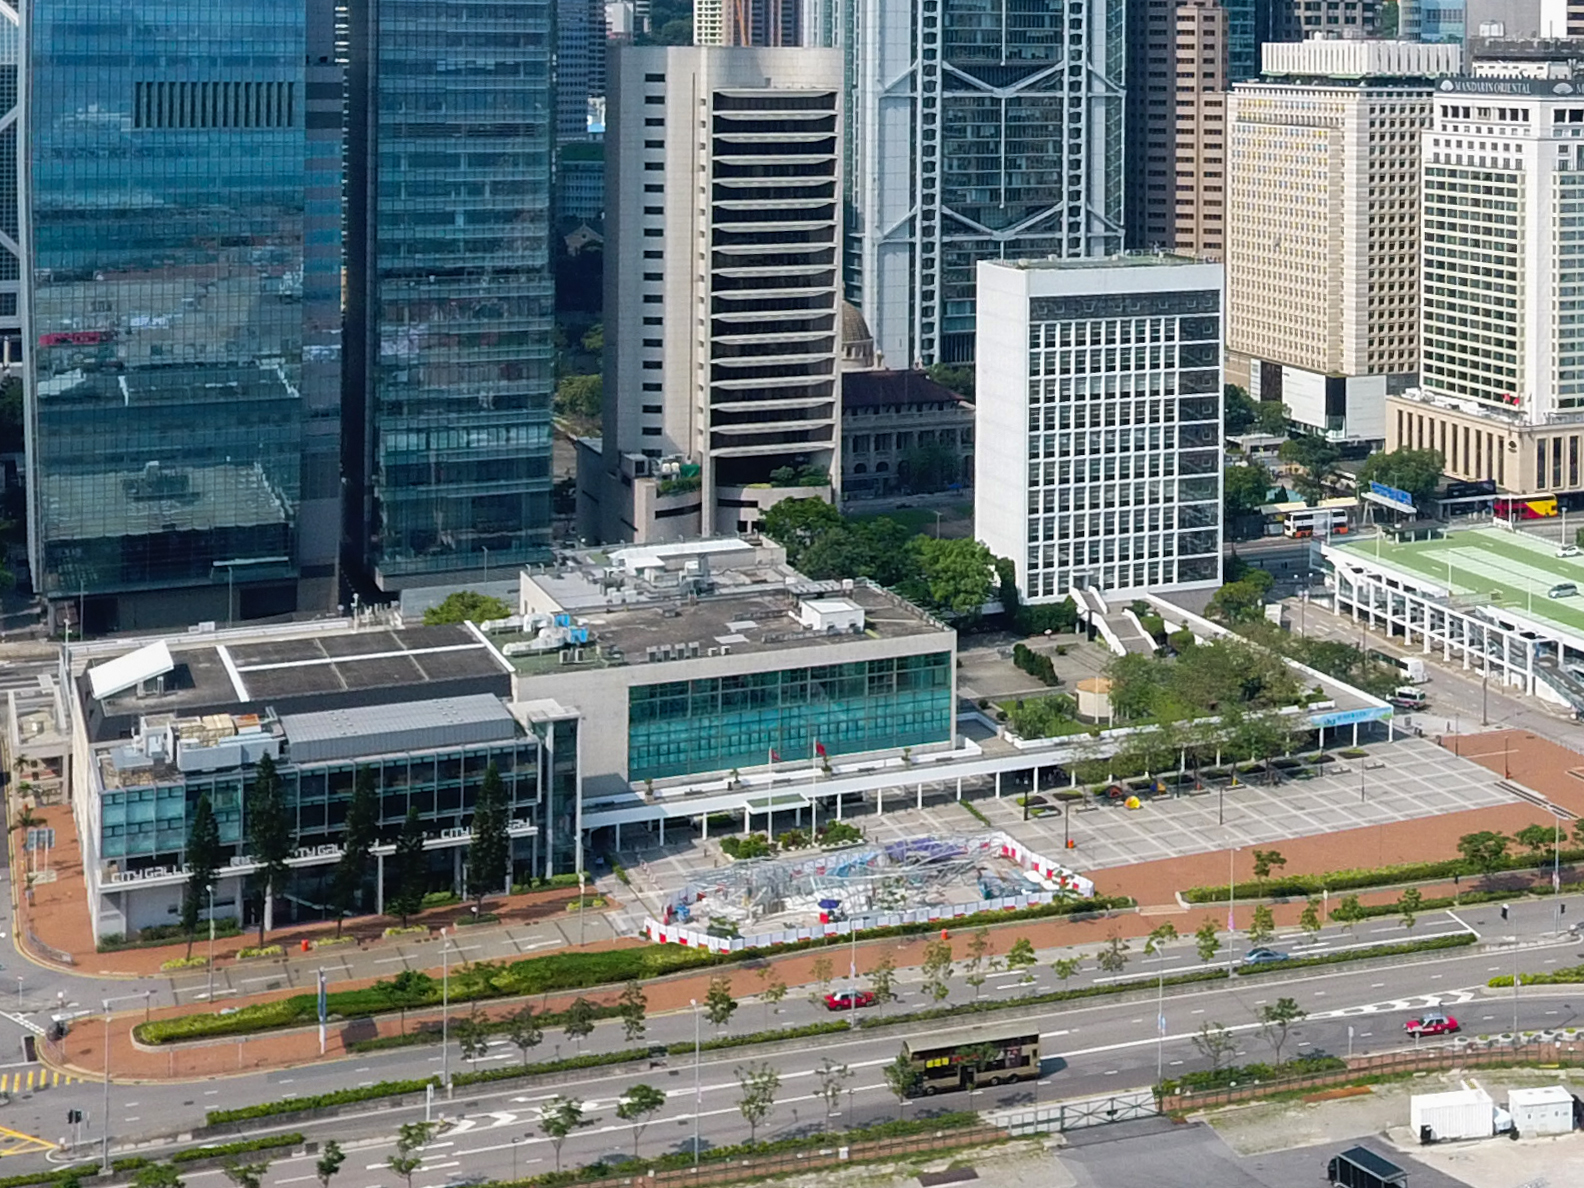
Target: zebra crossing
column 34, row 1079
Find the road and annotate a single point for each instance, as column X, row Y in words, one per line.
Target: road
column 1091, row 1047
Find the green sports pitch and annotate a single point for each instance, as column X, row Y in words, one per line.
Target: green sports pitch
column 1492, row 565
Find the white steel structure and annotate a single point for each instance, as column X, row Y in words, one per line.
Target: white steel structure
column 1099, row 435
column 978, row 132
column 722, row 290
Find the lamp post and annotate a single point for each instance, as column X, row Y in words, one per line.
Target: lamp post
column 1231, row 916
column 104, row 1157
column 697, row 1097
column 211, row 945
column 445, row 1007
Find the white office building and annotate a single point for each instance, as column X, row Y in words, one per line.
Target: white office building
column 1099, row 422
column 722, row 290
column 1502, row 374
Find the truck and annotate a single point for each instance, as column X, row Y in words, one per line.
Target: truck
column 1460, row 1114
column 1359, row 1167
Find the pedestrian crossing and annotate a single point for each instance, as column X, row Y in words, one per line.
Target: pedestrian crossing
column 35, row 1078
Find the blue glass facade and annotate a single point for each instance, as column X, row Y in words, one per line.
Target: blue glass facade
column 720, row 723
column 452, row 297
column 173, row 304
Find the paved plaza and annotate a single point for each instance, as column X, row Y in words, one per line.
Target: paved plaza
column 1406, row 780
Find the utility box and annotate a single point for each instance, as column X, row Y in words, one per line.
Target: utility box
column 1359, row 1167
column 1547, row 1110
column 1444, row 1117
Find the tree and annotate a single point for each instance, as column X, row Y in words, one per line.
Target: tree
column 245, row 1175
column 1207, row 941
column 1349, row 912
column 1409, row 904
column 411, row 1139
column 929, row 468
column 1262, row 925
column 578, row 1020
column 271, row 838
column 1215, row 1044
column 902, row 1079
column 759, row 1085
column 795, row 524
column 203, row 864
column 1237, row 602
column 937, row 968
column 1160, row 936
column 410, row 988
column 772, row 989
column 833, row 1078
column 1245, row 489
column 882, row 980
column 958, row 378
column 1316, row 456
column 637, row 1106
column 524, row 1029
column 489, row 846
column 1309, row 918
column 1237, row 409
column 978, row 950
column 1485, row 851
column 956, row 575
column 466, row 606
column 1264, row 862
column 360, row 832
column 1066, row 967
column 472, row 1032
column 411, row 867
column 634, row 1007
column 580, row 396
column 593, row 340
column 822, row 969
column 558, row 1118
column 1277, row 1019
column 1021, row 956
column 331, row 1157
column 1270, row 416
column 1113, row 957
column 1417, row 472
column 158, row 1175
column 719, row 1005
column 1536, row 839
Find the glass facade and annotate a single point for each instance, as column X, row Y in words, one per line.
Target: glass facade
column 720, row 723
column 454, row 296
column 173, row 303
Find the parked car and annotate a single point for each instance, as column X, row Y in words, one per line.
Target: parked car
column 1431, row 1023
column 1265, row 956
column 849, row 1000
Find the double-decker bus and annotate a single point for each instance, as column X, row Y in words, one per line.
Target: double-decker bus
column 965, row 1057
column 1537, row 508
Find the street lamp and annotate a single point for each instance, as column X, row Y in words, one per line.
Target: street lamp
column 104, row 1158
column 445, row 1007
column 211, row 945
column 697, row 1097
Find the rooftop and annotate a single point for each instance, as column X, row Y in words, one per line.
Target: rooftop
column 1092, row 263
column 387, row 729
column 872, row 389
column 335, row 669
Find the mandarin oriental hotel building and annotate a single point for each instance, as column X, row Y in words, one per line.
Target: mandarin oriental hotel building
column 1099, row 407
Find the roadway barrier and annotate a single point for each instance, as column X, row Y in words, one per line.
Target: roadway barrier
column 1061, row 1116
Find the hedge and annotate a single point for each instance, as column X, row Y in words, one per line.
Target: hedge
column 1557, row 977
column 27, row 1179
column 1301, row 885
column 588, row 1060
column 553, row 972
column 1205, row 1079
column 319, row 1101
column 268, row 1143
column 160, row 935
column 776, row 1035
column 430, row 1033
column 1429, row 944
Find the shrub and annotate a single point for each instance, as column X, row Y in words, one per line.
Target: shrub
column 1565, row 976
column 259, row 951
column 268, row 1143
column 1204, row 1079
column 329, row 942
column 1304, row 885
column 1036, row 664
column 838, row 833
column 318, row 1101
column 441, row 899
column 755, row 845
column 492, row 918
column 410, row 930
column 621, row 874
column 185, row 963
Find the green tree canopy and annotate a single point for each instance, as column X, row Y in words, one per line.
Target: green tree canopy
column 1245, row 489
column 1270, row 416
column 1316, row 456
column 957, row 575
column 795, row 524
column 271, row 838
column 466, row 606
column 580, row 396
column 203, row 863
column 958, row 379
column 489, row 847
column 1238, row 411
column 1414, row 471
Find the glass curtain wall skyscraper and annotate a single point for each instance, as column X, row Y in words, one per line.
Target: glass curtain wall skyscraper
column 450, row 290
column 182, row 155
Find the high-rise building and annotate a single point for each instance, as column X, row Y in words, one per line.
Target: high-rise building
column 450, row 295
column 722, row 290
column 1098, row 397
column 1151, row 114
column 184, row 215
column 1322, row 228
column 1502, row 370
column 975, row 133
column 748, row 22
column 1515, row 18
column 1248, row 28
column 10, row 198
column 1294, row 20
column 1203, row 41
column 580, row 65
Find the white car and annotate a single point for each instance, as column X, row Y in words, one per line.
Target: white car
column 1568, row 550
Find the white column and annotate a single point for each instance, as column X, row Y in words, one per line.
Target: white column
column 959, row 788
column 703, row 827
column 998, row 785
column 618, row 837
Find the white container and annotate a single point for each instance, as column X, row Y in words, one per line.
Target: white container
column 1547, row 1110
column 1462, row 1114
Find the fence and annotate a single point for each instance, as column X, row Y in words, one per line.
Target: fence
column 1061, row 1116
column 1556, row 1052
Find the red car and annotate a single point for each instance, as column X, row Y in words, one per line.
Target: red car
column 849, row 1000
column 1432, row 1023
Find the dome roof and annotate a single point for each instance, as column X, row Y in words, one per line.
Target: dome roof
column 854, row 328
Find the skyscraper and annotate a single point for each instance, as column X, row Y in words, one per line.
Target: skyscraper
column 748, row 22
column 1295, row 20
column 1200, row 116
column 450, row 296
column 580, row 65
column 184, row 305
column 10, row 199
column 977, row 132
column 722, row 290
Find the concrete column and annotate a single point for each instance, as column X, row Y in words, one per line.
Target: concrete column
column 661, row 823
column 838, row 805
column 921, row 797
column 879, row 802
column 1321, row 744
column 747, row 822
column 618, row 837
column 703, row 826
column 1355, row 734
column 456, row 869
column 998, row 785
column 959, row 788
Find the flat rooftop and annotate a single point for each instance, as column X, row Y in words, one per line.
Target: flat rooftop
column 305, row 674
column 1490, row 566
column 1123, row 260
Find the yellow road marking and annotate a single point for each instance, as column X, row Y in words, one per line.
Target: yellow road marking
column 14, row 1142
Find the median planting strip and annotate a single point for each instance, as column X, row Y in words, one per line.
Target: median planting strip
column 1298, row 886
column 1456, row 940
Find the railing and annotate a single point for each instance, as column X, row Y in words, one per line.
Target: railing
column 1062, row 1116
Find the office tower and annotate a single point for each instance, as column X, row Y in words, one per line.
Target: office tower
column 1203, row 42
column 748, row 22
column 1099, row 422
column 722, row 290
column 450, row 296
column 1295, row 20
column 1502, row 370
column 1248, row 28
column 975, row 133
column 10, row 199
column 1322, row 228
column 1517, row 18
column 580, row 65
column 1151, row 114
column 183, row 398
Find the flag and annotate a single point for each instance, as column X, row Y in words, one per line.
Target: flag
column 819, row 748
column 775, row 755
